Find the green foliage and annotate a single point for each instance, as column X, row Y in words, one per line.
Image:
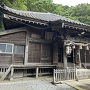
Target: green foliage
column 17, row 4
column 40, row 5
column 81, row 10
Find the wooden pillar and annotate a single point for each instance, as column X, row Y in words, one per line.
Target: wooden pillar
column 73, row 55
column 26, row 48
column 87, row 55
column 13, row 54
column 85, row 58
column 78, row 57
column 12, row 73
column 64, row 56
column 37, row 71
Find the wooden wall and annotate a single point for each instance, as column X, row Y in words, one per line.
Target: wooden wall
column 46, row 56
column 5, row 59
column 88, row 56
column 34, row 54
column 39, row 53
column 55, row 53
column 18, row 59
column 39, row 47
column 17, row 38
column 82, row 55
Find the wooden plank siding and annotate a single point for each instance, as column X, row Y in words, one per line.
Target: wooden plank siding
column 88, row 56
column 55, row 53
column 5, row 59
column 39, row 50
column 17, row 38
column 46, row 53
column 18, row 59
column 34, row 54
column 39, row 53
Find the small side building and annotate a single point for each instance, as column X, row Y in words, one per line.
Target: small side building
column 34, row 43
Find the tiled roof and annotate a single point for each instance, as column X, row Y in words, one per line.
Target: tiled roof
column 47, row 17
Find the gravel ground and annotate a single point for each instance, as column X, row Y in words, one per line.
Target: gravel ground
column 33, row 85
column 79, row 85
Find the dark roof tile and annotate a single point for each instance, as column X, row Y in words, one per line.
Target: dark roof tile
column 42, row 16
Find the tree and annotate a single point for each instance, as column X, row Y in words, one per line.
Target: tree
column 16, row 4
column 40, row 5
column 82, row 13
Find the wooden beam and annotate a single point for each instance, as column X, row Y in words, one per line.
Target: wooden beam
column 77, row 55
column 33, row 65
column 39, row 41
column 12, row 73
column 77, row 26
column 78, row 40
column 12, row 31
column 13, row 55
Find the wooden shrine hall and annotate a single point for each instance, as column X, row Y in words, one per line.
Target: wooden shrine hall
column 35, row 43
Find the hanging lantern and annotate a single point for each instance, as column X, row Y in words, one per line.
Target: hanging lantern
column 73, row 46
column 87, row 47
column 68, row 50
column 80, row 47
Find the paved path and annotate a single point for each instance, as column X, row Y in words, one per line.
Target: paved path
column 33, row 85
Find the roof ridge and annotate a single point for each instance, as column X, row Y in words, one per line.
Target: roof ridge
column 8, row 8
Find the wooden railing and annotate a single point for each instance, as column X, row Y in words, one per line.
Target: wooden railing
column 70, row 74
column 3, row 70
column 64, row 74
